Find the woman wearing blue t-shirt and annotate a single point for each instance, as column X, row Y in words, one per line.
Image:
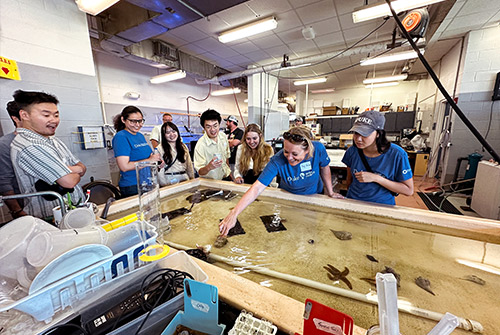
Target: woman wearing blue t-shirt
column 303, row 167
column 130, row 147
column 380, row 169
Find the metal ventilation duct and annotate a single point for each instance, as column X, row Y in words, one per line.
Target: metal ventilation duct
column 127, row 28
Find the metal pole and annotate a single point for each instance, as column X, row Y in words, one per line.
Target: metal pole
column 37, row 194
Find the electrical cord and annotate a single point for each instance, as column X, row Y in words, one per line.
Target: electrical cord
column 336, row 55
column 489, row 121
column 171, row 282
column 67, row 325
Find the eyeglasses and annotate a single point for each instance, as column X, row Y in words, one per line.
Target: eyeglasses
column 294, row 137
column 141, row 121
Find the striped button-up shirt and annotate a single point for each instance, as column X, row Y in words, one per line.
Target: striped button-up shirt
column 36, row 157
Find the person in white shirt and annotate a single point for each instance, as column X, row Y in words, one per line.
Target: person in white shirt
column 156, row 135
column 211, row 153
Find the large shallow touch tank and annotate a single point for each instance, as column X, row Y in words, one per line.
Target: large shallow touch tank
column 316, row 237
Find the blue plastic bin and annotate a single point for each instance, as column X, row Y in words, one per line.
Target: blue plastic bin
column 201, row 309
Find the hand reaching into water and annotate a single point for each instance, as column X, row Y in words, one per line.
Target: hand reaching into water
column 228, row 223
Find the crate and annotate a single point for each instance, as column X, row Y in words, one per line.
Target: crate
column 247, row 324
column 328, row 111
column 80, row 288
column 163, row 314
column 201, row 310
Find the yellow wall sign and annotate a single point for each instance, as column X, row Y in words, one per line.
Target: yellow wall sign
column 8, row 69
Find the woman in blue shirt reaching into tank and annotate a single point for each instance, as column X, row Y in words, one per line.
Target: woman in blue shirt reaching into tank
column 303, row 166
column 386, row 170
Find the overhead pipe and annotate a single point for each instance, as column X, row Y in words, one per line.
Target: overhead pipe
column 465, row 324
column 365, row 49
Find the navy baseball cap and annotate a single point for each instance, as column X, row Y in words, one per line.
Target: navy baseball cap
column 367, row 122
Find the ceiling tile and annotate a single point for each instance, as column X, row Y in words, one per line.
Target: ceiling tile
column 316, row 12
column 239, row 60
column 212, row 25
column 326, row 26
column 487, row 7
column 290, row 36
column 237, row 16
column 301, row 3
column 257, row 55
column 495, row 18
column 267, row 42
column 321, row 68
column 278, row 51
column 171, row 39
column 470, row 22
column 266, row 61
column 307, row 53
column 344, row 6
column 287, row 21
column 333, row 40
column 303, row 46
column 224, row 51
column 457, row 7
column 245, row 47
column 188, row 33
column 353, row 35
column 208, row 44
column 265, row 8
column 192, row 49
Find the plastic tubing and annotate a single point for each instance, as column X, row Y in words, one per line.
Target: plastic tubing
column 465, row 324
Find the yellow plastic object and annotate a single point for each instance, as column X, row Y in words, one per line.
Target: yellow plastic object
column 165, row 250
column 120, row 222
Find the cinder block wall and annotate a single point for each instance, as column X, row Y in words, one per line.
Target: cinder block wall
column 50, row 42
column 482, row 63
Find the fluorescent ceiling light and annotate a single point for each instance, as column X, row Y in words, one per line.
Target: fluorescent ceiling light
column 309, row 81
column 394, row 57
column 381, row 9
column 393, row 83
column 326, row 90
column 247, row 30
column 94, row 7
column 163, row 78
column 385, row 79
column 290, row 67
column 225, row 92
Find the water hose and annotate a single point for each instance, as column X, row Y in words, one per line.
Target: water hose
column 465, row 324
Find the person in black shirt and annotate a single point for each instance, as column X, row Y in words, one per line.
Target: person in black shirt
column 234, row 138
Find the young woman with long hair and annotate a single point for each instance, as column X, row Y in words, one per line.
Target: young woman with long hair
column 178, row 165
column 380, row 169
column 130, row 147
column 252, row 155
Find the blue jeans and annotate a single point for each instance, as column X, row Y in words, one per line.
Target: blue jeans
column 128, row 191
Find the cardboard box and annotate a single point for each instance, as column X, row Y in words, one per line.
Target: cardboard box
column 328, row 111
